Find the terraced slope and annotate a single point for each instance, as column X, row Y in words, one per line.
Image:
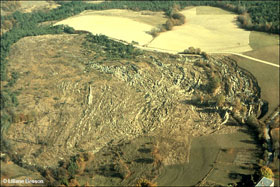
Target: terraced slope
column 78, row 100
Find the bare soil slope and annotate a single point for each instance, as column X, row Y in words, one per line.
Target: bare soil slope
column 75, row 100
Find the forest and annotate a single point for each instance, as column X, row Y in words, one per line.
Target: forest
column 253, row 15
column 114, row 49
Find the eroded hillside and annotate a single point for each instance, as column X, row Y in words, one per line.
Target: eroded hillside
column 75, row 99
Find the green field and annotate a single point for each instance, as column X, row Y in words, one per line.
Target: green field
column 258, row 40
column 265, row 46
column 268, row 53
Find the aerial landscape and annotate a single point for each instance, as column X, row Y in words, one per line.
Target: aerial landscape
column 140, row 93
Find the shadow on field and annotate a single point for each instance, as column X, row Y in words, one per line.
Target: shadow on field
column 110, row 170
column 208, row 110
column 233, row 124
column 144, row 160
column 187, row 102
column 245, row 180
column 247, row 131
column 144, row 150
column 234, row 175
column 248, row 141
column 254, row 136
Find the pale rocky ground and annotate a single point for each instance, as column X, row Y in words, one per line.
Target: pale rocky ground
column 81, row 104
column 120, row 110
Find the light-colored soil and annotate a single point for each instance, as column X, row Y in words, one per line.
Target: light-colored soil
column 148, row 17
column 124, row 25
column 29, row 6
column 115, row 27
column 211, row 33
column 94, row 2
column 207, row 10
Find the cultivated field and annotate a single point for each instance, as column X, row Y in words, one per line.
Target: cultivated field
column 208, row 29
column 214, row 156
column 147, row 17
column 265, row 46
column 207, row 10
column 211, row 29
column 119, row 24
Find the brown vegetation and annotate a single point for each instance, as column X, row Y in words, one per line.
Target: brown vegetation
column 124, row 166
column 198, row 99
column 145, row 183
column 205, row 55
column 220, row 100
column 10, row 6
column 20, row 117
column 174, row 19
column 156, row 155
column 214, row 84
column 266, row 172
column 7, row 24
column 192, row 50
column 196, row 51
column 67, row 171
column 241, row 109
column 245, row 20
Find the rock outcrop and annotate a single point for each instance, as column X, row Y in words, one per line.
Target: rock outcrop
column 85, row 102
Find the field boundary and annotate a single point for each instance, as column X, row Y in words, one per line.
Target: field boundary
column 203, row 180
column 147, row 48
column 251, row 58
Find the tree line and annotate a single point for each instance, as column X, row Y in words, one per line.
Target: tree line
column 114, row 49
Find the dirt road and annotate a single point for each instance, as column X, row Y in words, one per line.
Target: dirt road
column 251, row 58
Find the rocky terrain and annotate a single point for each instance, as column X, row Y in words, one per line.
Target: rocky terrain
column 123, row 117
